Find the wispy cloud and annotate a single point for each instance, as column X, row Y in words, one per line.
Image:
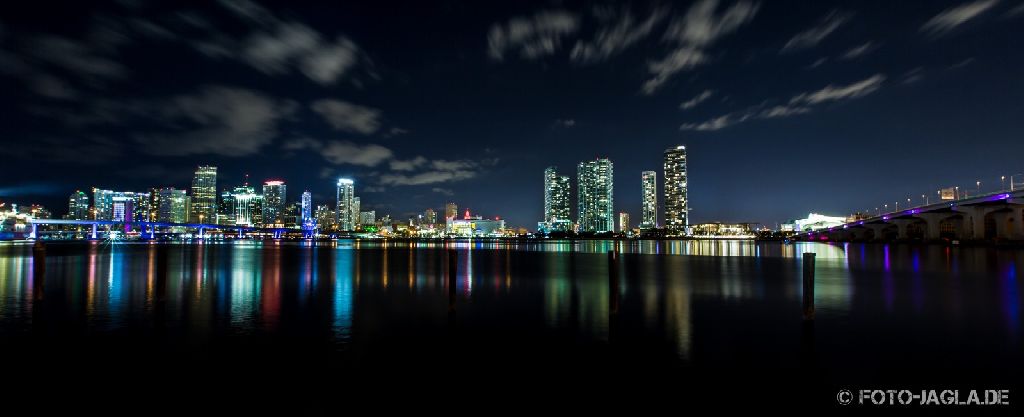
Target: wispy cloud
column 690, row 36
column 616, row 34
column 342, row 152
column 532, row 37
column 953, row 17
column 813, row 36
column 699, row 98
column 348, row 117
column 566, row 123
column 802, row 103
column 858, row 51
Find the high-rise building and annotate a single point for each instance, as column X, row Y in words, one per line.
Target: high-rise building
column 430, row 216
column 324, row 217
column 345, row 204
column 556, row 196
column 355, row 212
column 623, row 222
column 451, row 211
column 103, row 203
column 676, row 204
column 204, row 195
column 306, row 210
column 368, row 218
column 78, row 206
column 123, row 206
column 649, row 191
column 173, row 206
column 595, row 196
column 275, row 196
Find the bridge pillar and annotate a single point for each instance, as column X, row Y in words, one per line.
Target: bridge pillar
column 975, row 216
column 35, row 231
column 902, row 226
column 933, row 221
column 878, row 228
column 1008, row 224
column 239, row 232
column 94, row 230
column 202, row 232
column 152, row 231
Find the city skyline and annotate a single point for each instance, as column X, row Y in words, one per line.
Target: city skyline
column 419, row 122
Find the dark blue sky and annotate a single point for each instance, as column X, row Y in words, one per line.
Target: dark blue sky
column 785, row 107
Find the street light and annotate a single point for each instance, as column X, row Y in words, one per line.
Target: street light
column 925, row 197
column 979, row 187
column 957, row 195
column 1002, row 179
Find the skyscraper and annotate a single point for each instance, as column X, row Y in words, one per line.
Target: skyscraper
column 649, row 183
column 556, row 196
column 450, row 211
column 356, row 202
column 623, row 222
column 247, row 206
column 345, row 202
column 172, row 206
column 595, row 196
column 204, row 195
column 78, row 206
column 306, row 216
column 430, row 216
column 275, row 195
column 103, row 204
column 676, row 204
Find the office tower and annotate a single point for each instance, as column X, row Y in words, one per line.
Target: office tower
column 623, row 222
column 676, row 203
column 78, row 206
column 247, row 206
column 345, row 203
column 102, row 201
column 368, row 218
column 595, row 196
column 450, row 211
column 324, row 216
column 173, row 206
column 204, row 195
column 430, row 216
column 306, row 210
column 649, row 191
column 226, row 208
column 355, row 212
column 556, row 196
column 275, row 196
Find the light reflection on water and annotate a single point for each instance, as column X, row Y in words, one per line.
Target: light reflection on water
column 679, row 293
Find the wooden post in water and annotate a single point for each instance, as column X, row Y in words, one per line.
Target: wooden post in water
column 613, row 282
column 453, row 262
column 808, row 286
column 38, row 270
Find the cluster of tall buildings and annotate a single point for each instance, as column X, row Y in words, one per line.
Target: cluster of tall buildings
column 595, row 202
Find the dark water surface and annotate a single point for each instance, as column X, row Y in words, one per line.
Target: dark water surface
column 323, row 326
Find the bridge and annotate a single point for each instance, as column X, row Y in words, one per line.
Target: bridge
column 993, row 216
column 149, row 229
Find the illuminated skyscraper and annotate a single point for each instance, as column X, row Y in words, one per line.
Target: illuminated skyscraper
column 595, row 192
column 676, row 204
column 204, row 195
column 556, row 196
column 306, row 211
column 430, row 216
column 275, row 195
column 78, row 206
column 103, row 204
column 623, row 222
column 451, row 211
column 345, row 203
column 247, row 206
column 173, row 206
column 356, row 202
column 649, row 183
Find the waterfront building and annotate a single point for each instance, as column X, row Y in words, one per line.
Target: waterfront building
column 78, row 206
column 356, row 203
column 306, row 210
column 677, row 209
column 451, row 211
column 204, row 195
column 623, row 222
column 556, row 202
column 173, row 205
column 595, row 205
column 430, row 216
column 368, row 218
column 324, row 217
column 724, row 230
column 345, row 205
column 813, row 221
column 649, row 190
column 475, row 226
column 120, row 205
column 246, row 207
column 275, row 196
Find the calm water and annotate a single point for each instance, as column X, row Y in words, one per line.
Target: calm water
column 352, row 319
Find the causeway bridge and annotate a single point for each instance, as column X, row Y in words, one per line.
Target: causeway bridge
column 995, row 216
column 149, row 230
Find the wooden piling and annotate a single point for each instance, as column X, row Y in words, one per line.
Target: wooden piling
column 808, row 286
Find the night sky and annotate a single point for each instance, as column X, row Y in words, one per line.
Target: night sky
column 785, row 107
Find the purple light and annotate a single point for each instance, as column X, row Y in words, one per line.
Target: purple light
column 885, row 217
